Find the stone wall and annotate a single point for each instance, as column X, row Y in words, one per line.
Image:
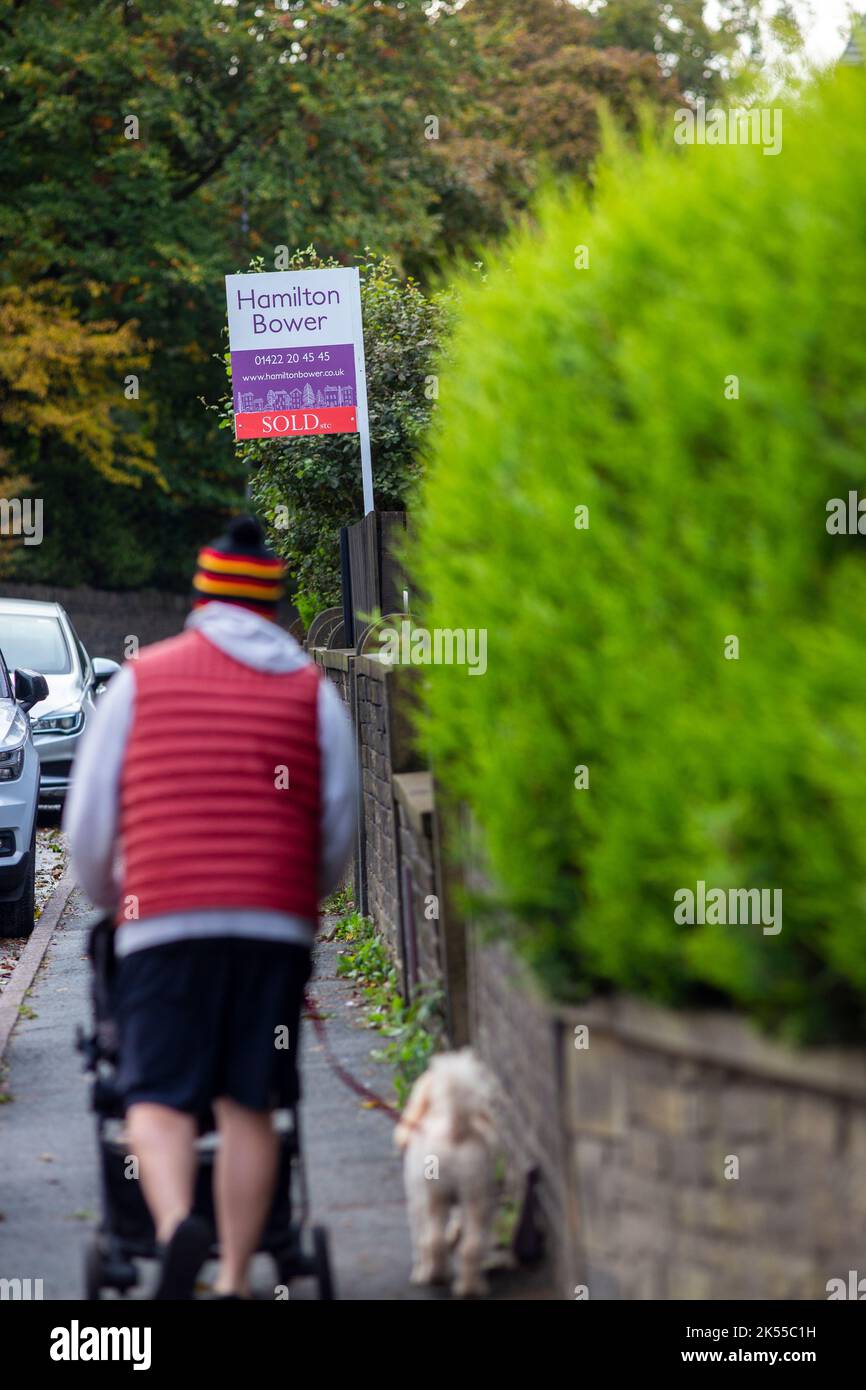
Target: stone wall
column 380, row 829
column 662, row 1109
column 362, row 683
column 395, row 875
column 682, row 1155
column 511, row 1028
column 338, row 666
column 419, row 889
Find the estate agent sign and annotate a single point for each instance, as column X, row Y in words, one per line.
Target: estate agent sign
column 297, row 355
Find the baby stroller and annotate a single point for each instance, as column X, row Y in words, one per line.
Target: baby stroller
column 126, row 1231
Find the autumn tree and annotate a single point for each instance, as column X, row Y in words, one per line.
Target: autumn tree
column 63, row 404
column 532, row 105
column 147, row 150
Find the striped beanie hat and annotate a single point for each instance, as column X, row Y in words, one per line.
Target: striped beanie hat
column 239, row 568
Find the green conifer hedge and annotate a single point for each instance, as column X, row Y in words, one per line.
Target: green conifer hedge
column 700, row 387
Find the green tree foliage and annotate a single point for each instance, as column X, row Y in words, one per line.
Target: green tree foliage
column 58, row 385
column 146, row 150
column 532, row 108
column 311, row 486
column 543, row 70
column 702, row 48
column 65, row 423
column 700, row 389
column 251, row 127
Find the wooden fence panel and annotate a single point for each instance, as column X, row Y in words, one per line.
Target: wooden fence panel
column 375, row 575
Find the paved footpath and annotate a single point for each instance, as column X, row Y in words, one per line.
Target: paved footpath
column 49, row 1199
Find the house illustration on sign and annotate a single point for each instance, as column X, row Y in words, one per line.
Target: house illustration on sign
column 329, row 396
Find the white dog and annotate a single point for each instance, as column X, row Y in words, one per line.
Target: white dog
column 448, row 1137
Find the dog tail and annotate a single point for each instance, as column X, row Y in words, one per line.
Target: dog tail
column 470, row 1098
column 472, row 1123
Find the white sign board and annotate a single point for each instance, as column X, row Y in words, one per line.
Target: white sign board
column 297, row 355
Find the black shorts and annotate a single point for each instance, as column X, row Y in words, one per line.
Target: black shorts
column 199, row 1020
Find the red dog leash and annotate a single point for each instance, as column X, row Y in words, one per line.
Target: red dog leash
column 318, row 1021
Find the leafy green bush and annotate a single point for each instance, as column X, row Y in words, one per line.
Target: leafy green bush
column 311, row 486
column 414, row 1029
column 611, row 387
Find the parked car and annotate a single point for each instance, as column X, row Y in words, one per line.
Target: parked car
column 19, row 798
column 40, row 637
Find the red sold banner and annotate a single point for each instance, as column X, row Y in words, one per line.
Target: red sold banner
column 267, row 424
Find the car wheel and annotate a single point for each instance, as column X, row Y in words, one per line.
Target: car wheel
column 17, row 919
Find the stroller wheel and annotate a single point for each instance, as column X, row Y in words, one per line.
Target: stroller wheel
column 94, row 1270
column 322, row 1265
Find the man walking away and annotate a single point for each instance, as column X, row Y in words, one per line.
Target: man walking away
column 212, row 806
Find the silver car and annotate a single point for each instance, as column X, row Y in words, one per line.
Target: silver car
column 19, row 796
column 40, row 637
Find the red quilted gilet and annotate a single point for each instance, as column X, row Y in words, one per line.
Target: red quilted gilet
column 206, row 819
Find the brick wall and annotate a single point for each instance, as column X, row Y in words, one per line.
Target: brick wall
column 362, row 683
column 419, row 889
column 394, row 873
column 380, row 829
column 338, row 666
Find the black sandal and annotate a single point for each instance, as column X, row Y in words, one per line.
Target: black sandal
column 182, row 1258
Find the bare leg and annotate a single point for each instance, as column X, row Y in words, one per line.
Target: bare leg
column 163, row 1141
column 244, row 1177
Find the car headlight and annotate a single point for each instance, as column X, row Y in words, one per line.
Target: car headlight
column 12, row 748
column 16, row 734
column 11, row 764
column 61, row 721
